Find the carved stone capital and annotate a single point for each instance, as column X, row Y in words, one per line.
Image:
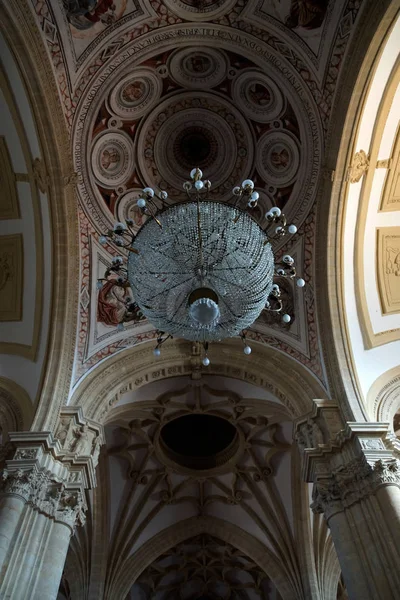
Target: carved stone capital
column 352, row 483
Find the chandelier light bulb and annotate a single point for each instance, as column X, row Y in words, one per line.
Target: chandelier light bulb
column 300, row 282
column 248, row 185
column 289, row 260
column 103, row 240
column 196, row 173
column 163, row 195
column 204, row 311
column 141, row 203
column 236, row 191
column 275, row 288
column 254, row 196
column 286, row 318
column 206, row 361
column 292, row 229
column 157, row 352
column 120, row 327
column 247, row 350
column 275, row 211
column 119, row 227
column 117, row 260
column 198, row 185
column 187, row 186
column 279, row 230
column 149, row 192
column 207, row 184
column 268, row 215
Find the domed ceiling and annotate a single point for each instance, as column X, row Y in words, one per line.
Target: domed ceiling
column 151, row 89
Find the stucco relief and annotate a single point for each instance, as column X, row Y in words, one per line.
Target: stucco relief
column 11, row 277
column 388, row 268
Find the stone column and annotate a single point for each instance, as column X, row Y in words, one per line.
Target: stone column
column 355, row 469
column 42, row 501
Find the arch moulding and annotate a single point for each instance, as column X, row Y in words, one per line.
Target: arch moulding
column 383, row 398
column 225, row 531
column 267, row 368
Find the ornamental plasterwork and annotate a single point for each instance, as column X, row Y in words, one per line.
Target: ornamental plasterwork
column 358, row 167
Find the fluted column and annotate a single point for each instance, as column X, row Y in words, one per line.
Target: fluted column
column 42, row 501
column 355, row 469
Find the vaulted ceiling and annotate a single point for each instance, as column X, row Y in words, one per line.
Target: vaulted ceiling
column 147, row 90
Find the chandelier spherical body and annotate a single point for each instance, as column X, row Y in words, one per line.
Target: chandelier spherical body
column 201, row 269
column 205, row 274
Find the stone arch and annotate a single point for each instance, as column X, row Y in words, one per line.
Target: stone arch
column 26, row 43
column 227, row 532
column 128, row 370
column 16, row 410
column 383, row 399
column 356, row 75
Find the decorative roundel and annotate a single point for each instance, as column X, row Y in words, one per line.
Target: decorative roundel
column 136, row 94
column 278, row 157
column 202, row 130
column 112, row 158
column 198, row 68
column 193, row 10
column 258, row 96
column 127, row 208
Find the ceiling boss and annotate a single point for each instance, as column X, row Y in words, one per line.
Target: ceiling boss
column 200, row 269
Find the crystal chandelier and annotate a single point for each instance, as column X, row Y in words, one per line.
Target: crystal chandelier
column 200, row 269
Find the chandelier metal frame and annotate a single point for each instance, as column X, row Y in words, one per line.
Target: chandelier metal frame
column 211, row 246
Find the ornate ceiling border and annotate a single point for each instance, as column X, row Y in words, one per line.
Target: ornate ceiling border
column 227, row 532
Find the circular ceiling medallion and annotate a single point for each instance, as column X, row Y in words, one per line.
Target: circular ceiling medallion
column 278, row 157
column 199, row 442
column 127, row 208
column 112, row 158
column 135, row 94
column 198, row 68
column 193, row 10
column 258, row 96
column 203, row 130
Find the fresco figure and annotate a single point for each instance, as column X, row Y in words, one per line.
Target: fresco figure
column 308, row 14
column 83, row 14
column 115, row 304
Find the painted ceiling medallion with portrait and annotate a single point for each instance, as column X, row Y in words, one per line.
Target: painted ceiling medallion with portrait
column 259, row 96
column 112, row 158
column 136, row 94
column 200, row 68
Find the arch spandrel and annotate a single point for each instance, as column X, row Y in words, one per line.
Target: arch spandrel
column 133, row 368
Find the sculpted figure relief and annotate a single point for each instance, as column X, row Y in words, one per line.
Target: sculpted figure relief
column 82, row 445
